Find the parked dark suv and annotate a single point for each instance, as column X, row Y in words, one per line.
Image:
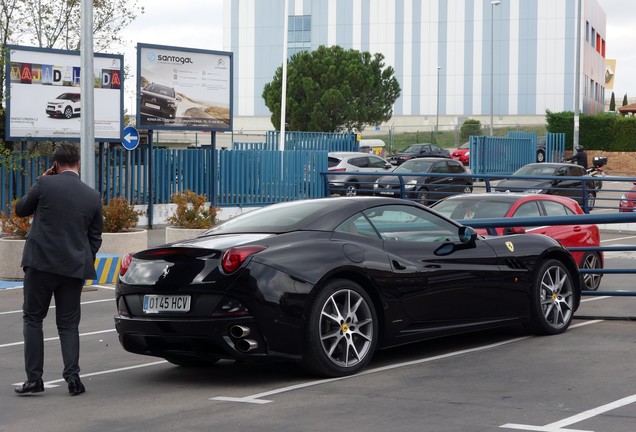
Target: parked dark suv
column 159, row 101
column 418, row 151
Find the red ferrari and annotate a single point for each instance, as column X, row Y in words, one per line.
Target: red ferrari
column 497, row 205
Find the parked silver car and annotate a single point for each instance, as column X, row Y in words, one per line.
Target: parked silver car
column 354, row 164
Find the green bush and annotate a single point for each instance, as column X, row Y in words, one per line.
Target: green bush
column 605, row 132
column 470, row 127
column 192, row 211
column 120, row 215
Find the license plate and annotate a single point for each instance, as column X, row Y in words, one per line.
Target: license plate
column 153, row 106
column 166, row 303
column 386, row 192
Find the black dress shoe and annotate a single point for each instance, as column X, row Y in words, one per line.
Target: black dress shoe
column 29, row 387
column 76, row 387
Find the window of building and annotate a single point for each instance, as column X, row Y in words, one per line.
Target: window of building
column 603, row 48
column 587, row 31
column 298, row 34
column 593, row 41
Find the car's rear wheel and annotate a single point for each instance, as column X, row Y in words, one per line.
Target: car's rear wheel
column 591, row 281
column 552, row 298
column 351, row 189
column 468, row 189
column 68, row 112
column 342, row 330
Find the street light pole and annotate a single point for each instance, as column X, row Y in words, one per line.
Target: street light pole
column 493, row 3
column 437, row 111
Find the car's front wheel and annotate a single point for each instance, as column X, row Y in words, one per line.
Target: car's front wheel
column 342, row 330
column 422, row 196
column 590, row 200
column 591, row 281
column 552, row 298
column 68, row 112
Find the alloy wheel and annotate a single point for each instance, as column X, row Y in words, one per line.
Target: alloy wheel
column 346, row 328
column 591, row 280
column 556, row 297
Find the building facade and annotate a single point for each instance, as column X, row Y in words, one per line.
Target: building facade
column 452, row 58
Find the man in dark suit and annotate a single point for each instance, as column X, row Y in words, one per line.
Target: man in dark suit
column 59, row 255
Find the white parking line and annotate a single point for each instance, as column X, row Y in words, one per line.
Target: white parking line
column 57, row 338
column 53, row 307
column 585, row 415
column 54, row 383
column 257, row 398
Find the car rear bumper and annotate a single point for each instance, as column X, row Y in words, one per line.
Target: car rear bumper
column 202, row 338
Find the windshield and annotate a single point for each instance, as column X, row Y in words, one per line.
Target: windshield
column 457, row 209
column 273, row 219
column 413, row 148
column 69, row 96
column 535, row 170
column 162, row 90
column 415, row 166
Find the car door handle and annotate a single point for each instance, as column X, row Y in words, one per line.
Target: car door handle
column 576, row 228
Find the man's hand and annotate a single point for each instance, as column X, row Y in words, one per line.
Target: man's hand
column 50, row 171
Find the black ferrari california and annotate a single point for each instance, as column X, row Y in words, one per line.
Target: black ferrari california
column 329, row 281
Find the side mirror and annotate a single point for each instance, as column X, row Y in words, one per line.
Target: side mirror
column 467, row 234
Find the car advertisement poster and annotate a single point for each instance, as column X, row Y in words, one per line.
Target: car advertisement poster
column 183, row 88
column 43, row 94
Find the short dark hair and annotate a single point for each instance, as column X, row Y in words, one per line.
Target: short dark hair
column 66, row 154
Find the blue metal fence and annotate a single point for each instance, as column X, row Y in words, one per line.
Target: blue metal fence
column 505, row 155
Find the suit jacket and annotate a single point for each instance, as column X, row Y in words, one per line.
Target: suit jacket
column 66, row 231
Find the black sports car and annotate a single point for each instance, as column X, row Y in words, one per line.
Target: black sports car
column 328, row 281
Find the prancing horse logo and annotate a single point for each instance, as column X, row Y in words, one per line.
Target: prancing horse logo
column 510, row 246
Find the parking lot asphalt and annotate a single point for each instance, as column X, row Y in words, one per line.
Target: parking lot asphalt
column 499, row 380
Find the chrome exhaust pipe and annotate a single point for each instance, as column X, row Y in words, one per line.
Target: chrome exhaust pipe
column 239, row 331
column 246, row 345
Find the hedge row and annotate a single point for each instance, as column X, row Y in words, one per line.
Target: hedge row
column 608, row 132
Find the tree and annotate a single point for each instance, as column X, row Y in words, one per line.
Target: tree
column 625, row 99
column 612, row 105
column 332, row 89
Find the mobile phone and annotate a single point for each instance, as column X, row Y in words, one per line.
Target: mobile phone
column 54, row 169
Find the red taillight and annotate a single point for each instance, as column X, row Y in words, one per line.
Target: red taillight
column 125, row 263
column 337, row 169
column 234, row 257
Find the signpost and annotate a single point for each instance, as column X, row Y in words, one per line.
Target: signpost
column 131, row 138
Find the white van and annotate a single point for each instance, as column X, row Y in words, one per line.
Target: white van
column 373, row 145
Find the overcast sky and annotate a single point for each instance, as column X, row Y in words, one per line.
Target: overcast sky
column 199, row 24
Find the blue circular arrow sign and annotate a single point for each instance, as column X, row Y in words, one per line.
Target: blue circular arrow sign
column 131, row 138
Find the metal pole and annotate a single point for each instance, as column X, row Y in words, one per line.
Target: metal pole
column 87, row 126
column 437, row 111
column 493, row 3
column 577, row 78
column 283, row 97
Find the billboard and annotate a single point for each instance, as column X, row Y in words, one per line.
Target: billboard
column 183, row 88
column 43, row 94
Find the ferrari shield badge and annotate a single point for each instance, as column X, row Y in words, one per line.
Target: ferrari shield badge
column 510, row 246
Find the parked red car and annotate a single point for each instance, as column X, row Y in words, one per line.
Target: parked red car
column 462, row 153
column 497, row 205
column 628, row 201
